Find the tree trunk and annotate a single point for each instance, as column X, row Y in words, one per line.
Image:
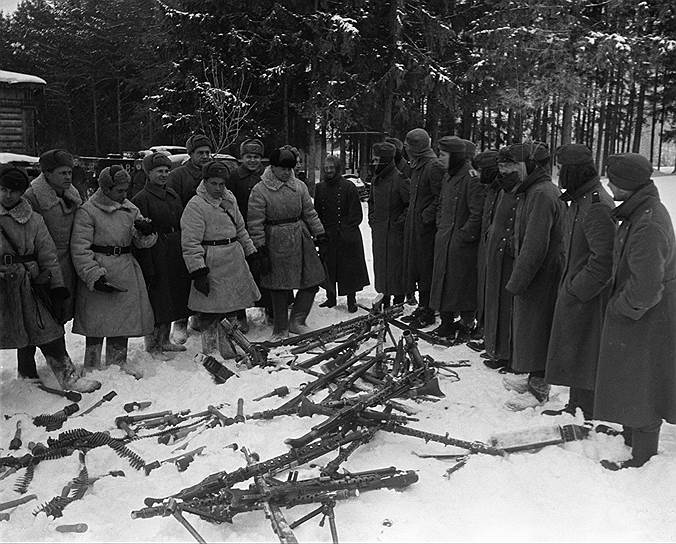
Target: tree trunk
column 95, row 122
column 566, row 123
column 118, row 103
column 638, row 122
column 654, row 116
column 285, row 110
column 311, row 155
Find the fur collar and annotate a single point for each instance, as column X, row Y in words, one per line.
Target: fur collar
column 21, row 213
column 273, row 183
column 101, row 201
column 47, row 198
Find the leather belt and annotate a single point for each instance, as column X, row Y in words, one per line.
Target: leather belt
column 111, row 250
column 283, row 221
column 8, row 259
column 223, row 242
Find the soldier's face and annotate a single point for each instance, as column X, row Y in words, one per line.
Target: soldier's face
column 9, row 197
column 117, row 192
column 619, row 194
column 330, row 170
column 283, row 173
column 215, row 187
column 60, row 178
column 201, row 155
column 159, row 175
column 251, row 161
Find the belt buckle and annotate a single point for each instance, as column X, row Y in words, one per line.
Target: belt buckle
column 117, row 251
column 7, row 259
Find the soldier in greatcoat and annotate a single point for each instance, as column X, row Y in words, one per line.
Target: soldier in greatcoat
column 32, row 290
column 538, row 260
column 339, row 209
column 387, row 204
column 285, row 228
column 163, row 266
column 185, row 178
column 589, row 231
column 242, row 180
column 54, row 197
column 636, row 375
column 458, row 221
column 420, row 227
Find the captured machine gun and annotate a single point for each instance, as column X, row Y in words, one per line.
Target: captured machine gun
column 270, row 494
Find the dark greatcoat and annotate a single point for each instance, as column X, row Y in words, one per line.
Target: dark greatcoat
column 537, row 268
column 492, row 192
column 388, row 202
column 636, row 376
column 163, row 265
column 339, row 209
column 499, row 265
column 184, row 181
column 589, row 232
column 420, row 226
column 454, row 279
column 240, row 184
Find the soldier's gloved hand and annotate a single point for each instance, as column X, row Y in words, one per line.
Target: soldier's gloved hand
column 58, row 296
column 264, row 263
column 103, row 286
column 254, row 262
column 200, row 279
column 144, row 226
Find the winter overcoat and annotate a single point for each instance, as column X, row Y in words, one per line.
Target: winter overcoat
column 339, row 209
column 58, row 213
column 163, row 266
column 283, row 218
column 454, row 280
column 636, row 376
column 538, row 260
column 24, row 319
column 231, row 286
column 184, row 180
column 492, row 192
column 420, row 226
column 499, row 264
column 589, row 233
column 388, row 204
column 241, row 182
column 103, row 222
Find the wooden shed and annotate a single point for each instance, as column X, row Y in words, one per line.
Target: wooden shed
column 21, row 97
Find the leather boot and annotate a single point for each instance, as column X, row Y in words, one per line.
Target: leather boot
column 25, row 358
column 301, row 308
column 225, row 346
column 280, row 315
column 92, row 355
column 644, row 445
column 64, row 370
column 352, row 303
column 209, row 339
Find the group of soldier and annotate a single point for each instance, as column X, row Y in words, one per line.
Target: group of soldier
column 546, row 282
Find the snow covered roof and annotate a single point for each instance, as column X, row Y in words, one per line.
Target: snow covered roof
column 17, row 157
column 15, row 77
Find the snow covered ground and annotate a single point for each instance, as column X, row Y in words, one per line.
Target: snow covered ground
column 560, row 493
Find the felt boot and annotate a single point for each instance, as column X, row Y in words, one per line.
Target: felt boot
column 64, row 370
column 179, row 334
column 92, row 354
column 25, row 358
column 300, row 310
column 163, row 330
column 209, row 338
column 225, row 345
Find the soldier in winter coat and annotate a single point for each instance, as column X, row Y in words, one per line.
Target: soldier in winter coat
column 185, row 179
column 339, row 209
column 112, row 299
column 589, row 231
column 427, row 171
column 538, row 259
column 486, row 164
column 32, row 291
column 399, row 160
column 215, row 246
column 54, row 197
column 636, row 375
column 500, row 245
column 163, row 267
column 388, row 204
column 282, row 221
column 241, row 182
column 458, row 220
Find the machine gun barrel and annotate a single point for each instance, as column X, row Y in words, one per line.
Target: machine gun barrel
column 258, row 355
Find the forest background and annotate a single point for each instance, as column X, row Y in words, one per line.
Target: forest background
column 127, row 74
